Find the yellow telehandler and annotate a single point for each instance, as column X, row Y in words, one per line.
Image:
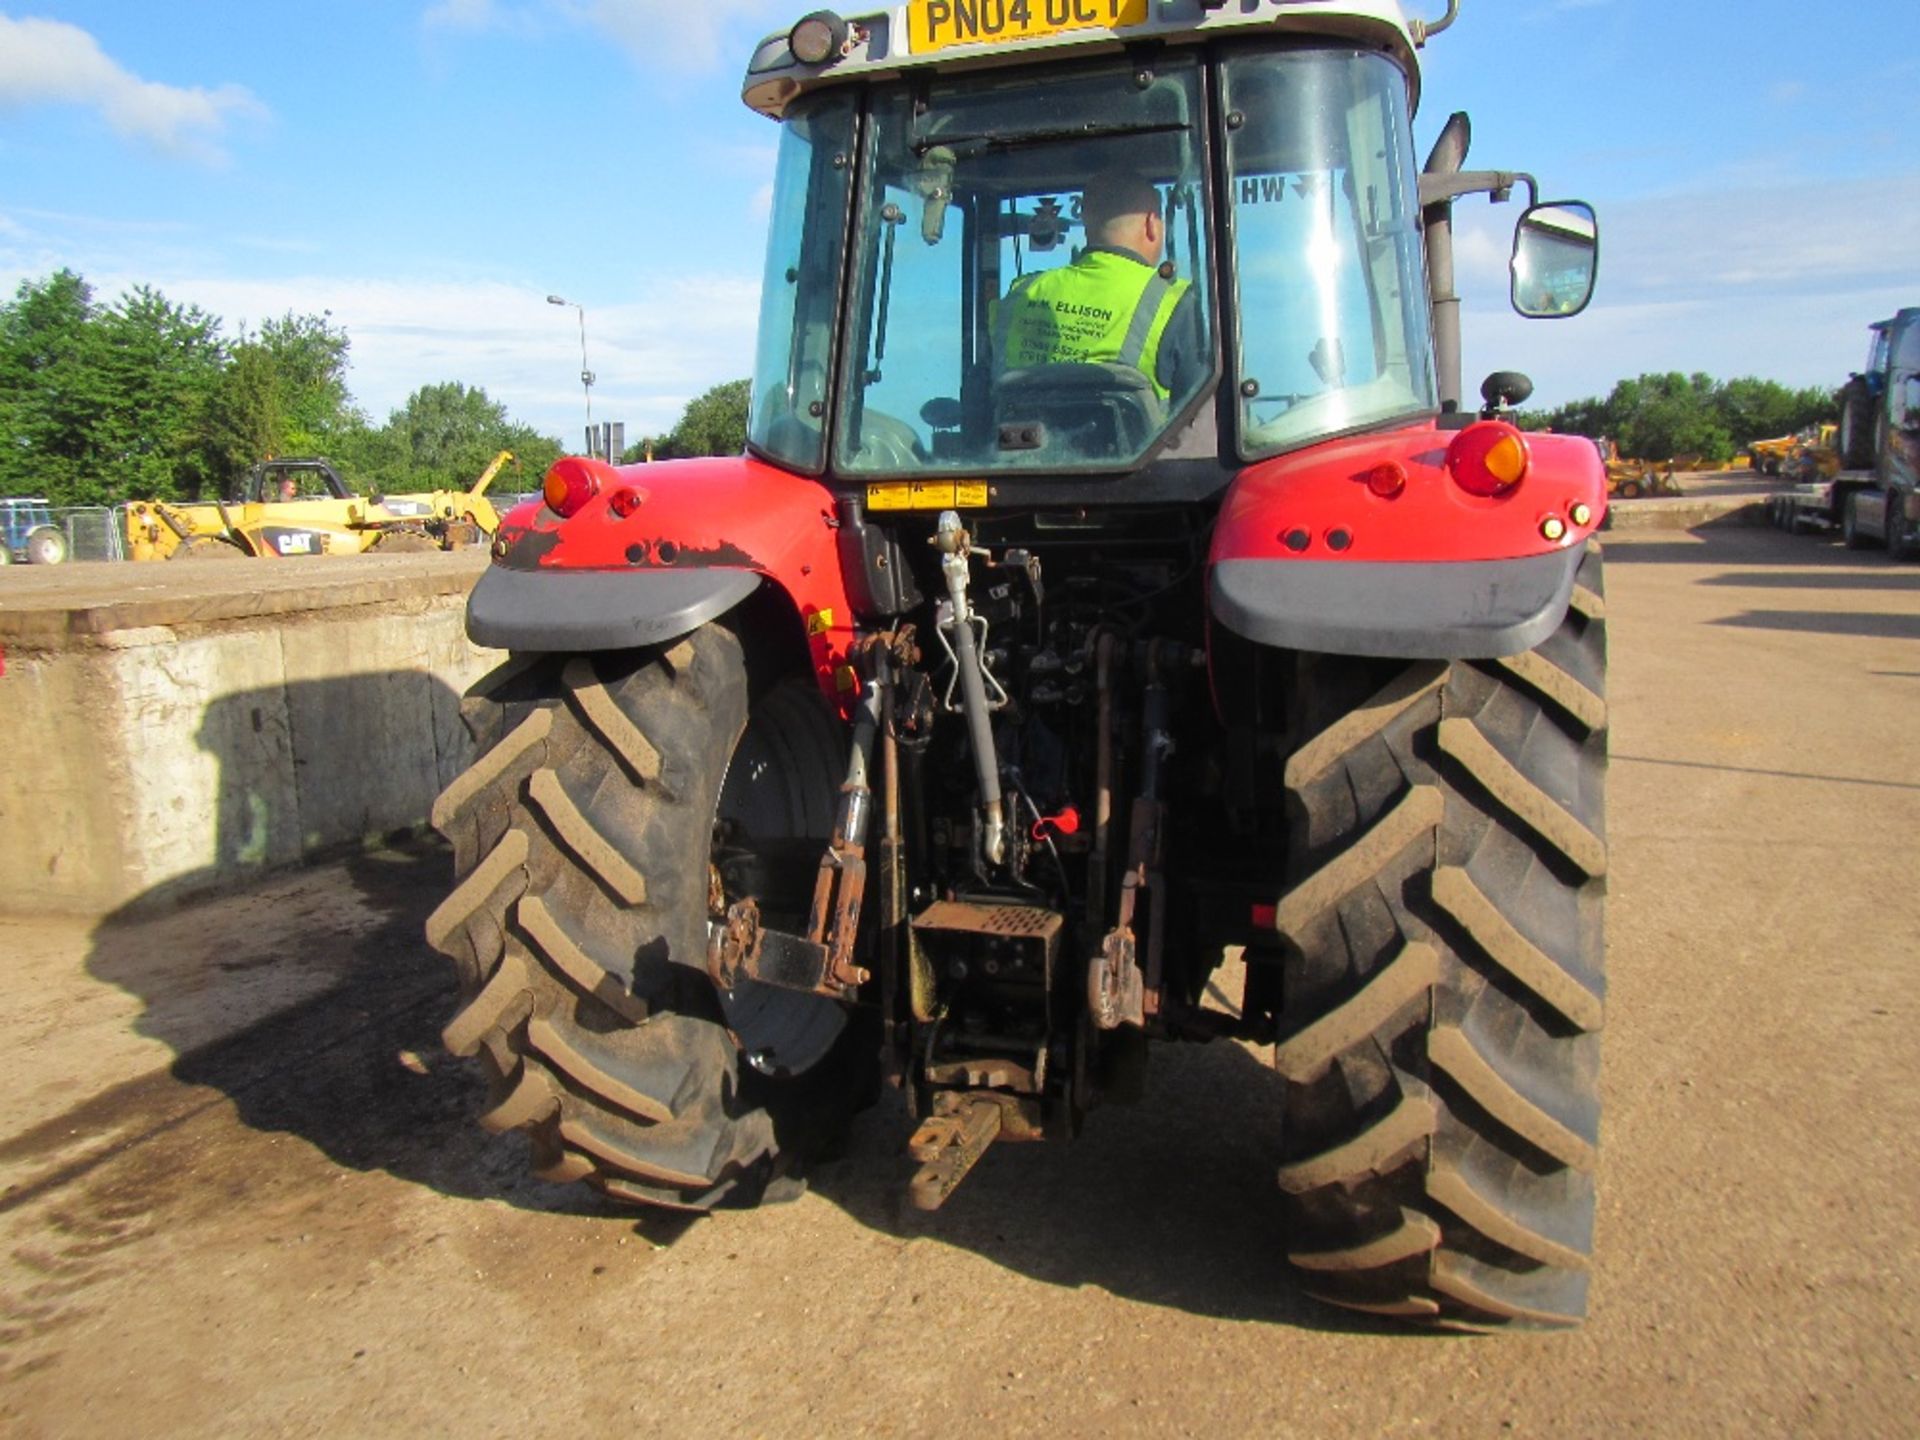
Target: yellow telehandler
column 302, row 507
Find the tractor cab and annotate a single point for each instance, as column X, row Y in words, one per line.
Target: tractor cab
column 945, row 292
column 280, row 481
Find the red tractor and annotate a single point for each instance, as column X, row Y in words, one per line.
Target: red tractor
column 1114, row 593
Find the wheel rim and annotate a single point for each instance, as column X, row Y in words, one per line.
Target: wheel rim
column 777, row 801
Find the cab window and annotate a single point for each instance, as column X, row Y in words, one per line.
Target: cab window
column 992, row 324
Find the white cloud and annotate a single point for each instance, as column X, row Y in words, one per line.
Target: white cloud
column 651, row 354
column 669, row 337
column 1750, row 281
column 45, row 62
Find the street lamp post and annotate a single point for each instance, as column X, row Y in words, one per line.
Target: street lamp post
column 586, row 375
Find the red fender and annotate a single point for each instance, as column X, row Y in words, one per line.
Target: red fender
column 678, row 516
column 1418, row 542
column 1431, row 516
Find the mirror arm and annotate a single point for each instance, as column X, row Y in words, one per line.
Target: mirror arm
column 1441, row 189
column 1425, row 30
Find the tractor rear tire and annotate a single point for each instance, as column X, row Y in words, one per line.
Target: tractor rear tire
column 1858, row 422
column 47, row 546
column 403, row 542
column 1443, row 980
column 577, row 926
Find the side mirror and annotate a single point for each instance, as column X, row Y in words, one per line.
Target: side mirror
column 1556, row 256
column 1910, row 402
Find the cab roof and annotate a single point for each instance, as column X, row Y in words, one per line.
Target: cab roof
column 881, row 44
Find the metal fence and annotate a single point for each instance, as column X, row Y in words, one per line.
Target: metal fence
column 94, row 532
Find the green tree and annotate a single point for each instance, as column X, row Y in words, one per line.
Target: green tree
column 160, row 364
column 1655, row 417
column 245, row 422
column 284, row 392
column 443, row 437
column 310, row 367
column 52, row 391
column 712, row 424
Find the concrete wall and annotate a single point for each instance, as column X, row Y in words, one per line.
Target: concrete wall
column 167, row 736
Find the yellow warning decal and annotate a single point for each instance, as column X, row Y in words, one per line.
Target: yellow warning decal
column 927, row 495
column 819, row 622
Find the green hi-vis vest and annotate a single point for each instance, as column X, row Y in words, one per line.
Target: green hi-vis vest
column 1104, row 309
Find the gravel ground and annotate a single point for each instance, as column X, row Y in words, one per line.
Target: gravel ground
column 241, row 1193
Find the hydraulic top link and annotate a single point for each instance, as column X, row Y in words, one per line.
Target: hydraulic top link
column 957, row 626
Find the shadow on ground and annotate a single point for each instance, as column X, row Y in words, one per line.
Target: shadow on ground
column 311, row 1004
column 1720, row 546
column 1903, row 581
column 306, row 997
column 1171, row 1202
column 1868, row 624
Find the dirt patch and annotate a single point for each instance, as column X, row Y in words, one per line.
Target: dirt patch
column 284, row 1226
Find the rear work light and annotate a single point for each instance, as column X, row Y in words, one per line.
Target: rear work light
column 820, row 37
column 1489, row 459
column 570, row 484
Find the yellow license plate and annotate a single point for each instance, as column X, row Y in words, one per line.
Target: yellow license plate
column 936, row 24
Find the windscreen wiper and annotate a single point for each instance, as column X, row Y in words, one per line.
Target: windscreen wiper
column 1021, row 139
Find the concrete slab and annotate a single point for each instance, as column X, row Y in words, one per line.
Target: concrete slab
column 42, row 605
column 176, row 729
column 1707, row 497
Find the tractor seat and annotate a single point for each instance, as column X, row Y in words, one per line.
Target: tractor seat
column 1087, row 410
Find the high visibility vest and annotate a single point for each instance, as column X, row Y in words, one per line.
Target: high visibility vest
column 1104, row 309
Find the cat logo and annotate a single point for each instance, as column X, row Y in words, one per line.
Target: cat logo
column 295, row 542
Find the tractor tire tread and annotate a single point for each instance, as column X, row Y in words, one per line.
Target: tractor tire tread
column 1443, row 979
column 579, row 933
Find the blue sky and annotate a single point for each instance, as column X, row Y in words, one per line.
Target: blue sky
column 430, row 170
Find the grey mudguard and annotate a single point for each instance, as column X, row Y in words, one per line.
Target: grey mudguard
column 563, row 610
column 1463, row 610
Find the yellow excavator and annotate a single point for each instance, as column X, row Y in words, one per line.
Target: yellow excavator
column 300, row 507
column 1768, row 456
column 1814, row 456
